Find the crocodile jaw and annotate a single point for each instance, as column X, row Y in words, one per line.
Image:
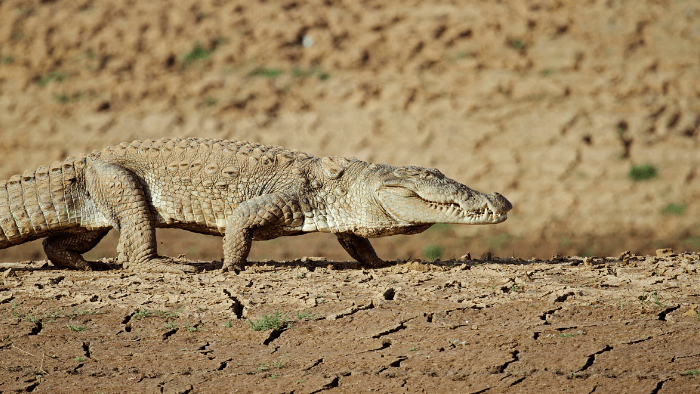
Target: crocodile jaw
column 407, row 206
column 424, row 196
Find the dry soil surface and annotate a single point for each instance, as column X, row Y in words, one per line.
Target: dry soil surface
column 585, row 115
column 578, row 325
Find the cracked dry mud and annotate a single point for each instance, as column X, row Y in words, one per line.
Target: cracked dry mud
column 579, row 325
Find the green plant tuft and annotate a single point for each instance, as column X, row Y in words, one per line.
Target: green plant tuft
column 642, row 172
column 674, row 209
column 499, row 241
column 516, row 44
column 432, row 252
column 197, row 53
column 266, row 322
column 51, row 77
column 265, row 72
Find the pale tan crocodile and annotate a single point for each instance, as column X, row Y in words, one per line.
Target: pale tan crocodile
column 239, row 190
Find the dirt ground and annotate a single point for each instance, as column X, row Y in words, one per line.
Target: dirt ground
column 585, row 115
column 581, row 325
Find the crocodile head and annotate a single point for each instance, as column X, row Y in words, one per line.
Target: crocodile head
column 419, row 195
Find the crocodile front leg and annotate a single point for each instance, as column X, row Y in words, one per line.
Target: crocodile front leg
column 359, row 249
column 261, row 216
column 120, row 197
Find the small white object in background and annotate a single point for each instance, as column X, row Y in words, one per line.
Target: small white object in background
column 307, row 41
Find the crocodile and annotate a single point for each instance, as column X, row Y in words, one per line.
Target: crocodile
column 242, row 191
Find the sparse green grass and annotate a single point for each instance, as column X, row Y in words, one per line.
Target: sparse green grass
column 32, row 319
column 198, row 52
column 692, row 242
column 515, row 288
column 653, row 297
column 566, row 335
column 229, row 324
column 57, row 314
column 170, row 325
column 81, row 312
column 692, row 372
column 546, row 72
column 304, row 315
column 210, row 101
column 16, row 312
column 265, row 72
column 79, row 359
column 516, row 44
column 642, row 172
column 189, row 328
column 432, row 252
column 77, row 328
column 280, row 362
column 51, row 77
column 301, row 73
column 498, row 242
column 300, row 275
column 144, row 313
column 674, row 209
column 274, row 321
column 67, row 98
column 7, row 60
column 413, row 349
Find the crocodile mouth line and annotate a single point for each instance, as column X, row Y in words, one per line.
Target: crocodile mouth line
column 481, row 214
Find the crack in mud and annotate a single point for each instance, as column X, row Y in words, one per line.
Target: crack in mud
column 224, row 364
column 332, row 384
column 662, row 315
column 658, row 387
column 502, row 367
column 317, row 363
column 167, row 334
column 127, row 322
column 350, row 311
column 392, row 330
column 592, row 357
column 38, row 326
column 203, row 349
column 673, row 359
column 517, row 381
column 86, row 349
column 544, row 315
column 237, row 306
column 274, row 334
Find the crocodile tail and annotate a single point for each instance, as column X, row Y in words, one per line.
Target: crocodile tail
column 37, row 203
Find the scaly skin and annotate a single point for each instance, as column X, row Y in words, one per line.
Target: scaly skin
column 239, row 190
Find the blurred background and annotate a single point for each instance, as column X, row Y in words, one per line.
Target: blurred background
column 585, row 115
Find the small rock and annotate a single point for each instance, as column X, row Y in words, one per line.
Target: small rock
column 10, row 272
column 665, row 252
column 417, row 266
column 465, row 257
column 625, row 255
column 691, row 312
column 475, row 327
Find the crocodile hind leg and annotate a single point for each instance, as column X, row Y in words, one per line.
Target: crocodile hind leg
column 65, row 250
column 359, row 249
column 120, row 197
